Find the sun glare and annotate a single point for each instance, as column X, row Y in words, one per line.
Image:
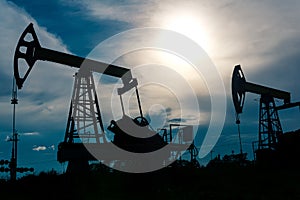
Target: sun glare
column 190, row 26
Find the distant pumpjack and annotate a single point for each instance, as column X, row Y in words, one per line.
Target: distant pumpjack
column 270, row 129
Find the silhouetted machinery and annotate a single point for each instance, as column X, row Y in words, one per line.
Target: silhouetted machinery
column 84, row 125
column 273, row 146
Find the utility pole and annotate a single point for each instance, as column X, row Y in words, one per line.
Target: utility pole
column 14, row 139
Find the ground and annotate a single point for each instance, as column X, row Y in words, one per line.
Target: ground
column 176, row 183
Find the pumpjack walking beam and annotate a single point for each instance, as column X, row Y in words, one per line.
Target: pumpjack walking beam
column 35, row 52
column 239, row 87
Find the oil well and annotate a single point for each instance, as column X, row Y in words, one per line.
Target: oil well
column 85, row 129
column 274, row 147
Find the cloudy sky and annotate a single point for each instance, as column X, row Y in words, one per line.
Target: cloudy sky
column 262, row 36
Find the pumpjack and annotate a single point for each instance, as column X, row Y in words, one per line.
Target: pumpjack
column 84, row 125
column 271, row 138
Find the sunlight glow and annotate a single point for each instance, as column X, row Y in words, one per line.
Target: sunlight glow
column 190, row 26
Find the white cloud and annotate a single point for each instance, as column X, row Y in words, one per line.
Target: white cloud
column 46, row 92
column 250, row 33
column 7, row 138
column 39, row 148
column 52, row 147
column 14, row 21
column 31, row 133
column 131, row 12
column 43, row 148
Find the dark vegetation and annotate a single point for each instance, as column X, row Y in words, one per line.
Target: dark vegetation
column 228, row 181
column 231, row 177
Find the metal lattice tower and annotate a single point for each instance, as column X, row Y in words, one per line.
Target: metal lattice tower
column 269, row 124
column 14, row 139
column 84, row 122
column 84, row 125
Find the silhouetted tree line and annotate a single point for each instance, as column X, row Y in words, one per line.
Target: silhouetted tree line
column 176, row 182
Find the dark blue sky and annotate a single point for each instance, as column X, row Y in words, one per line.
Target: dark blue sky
column 80, row 33
column 252, row 34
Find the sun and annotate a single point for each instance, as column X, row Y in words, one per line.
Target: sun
column 189, row 25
